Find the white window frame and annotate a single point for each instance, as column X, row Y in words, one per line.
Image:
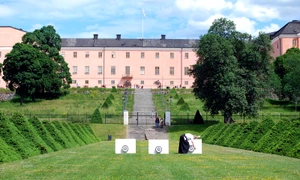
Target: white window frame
column 74, row 70
column 142, row 70
column 87, row 70
column 99, row 69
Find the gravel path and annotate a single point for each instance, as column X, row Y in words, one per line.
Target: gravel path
column 143, row 104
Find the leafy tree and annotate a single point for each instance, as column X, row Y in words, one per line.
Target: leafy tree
column 231, row 70
column 35, row 67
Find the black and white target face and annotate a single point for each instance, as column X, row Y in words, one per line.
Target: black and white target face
column 125, row 148
column 158, row 149
column 191, row 149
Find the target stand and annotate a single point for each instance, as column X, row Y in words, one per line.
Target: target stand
column 158, row 146
column 198, row 146
column 125, row 146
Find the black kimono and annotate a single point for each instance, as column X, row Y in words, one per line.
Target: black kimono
column 183, row 145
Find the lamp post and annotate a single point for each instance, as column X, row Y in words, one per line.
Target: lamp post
column 170, row 103
column 123, row 103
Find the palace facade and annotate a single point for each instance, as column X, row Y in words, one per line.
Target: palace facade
column 147, row 63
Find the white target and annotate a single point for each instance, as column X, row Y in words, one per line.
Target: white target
column 158, row 149
column 125, row 148
column 191, row 149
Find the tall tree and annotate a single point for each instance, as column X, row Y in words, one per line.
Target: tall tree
column 35, row 68
column 231, row 70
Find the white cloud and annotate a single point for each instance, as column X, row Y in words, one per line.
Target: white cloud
column 271, row 28
column 208, row 5
column 245, row 25
column 6, row 11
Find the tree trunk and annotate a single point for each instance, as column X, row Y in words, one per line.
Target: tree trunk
column 228, row 118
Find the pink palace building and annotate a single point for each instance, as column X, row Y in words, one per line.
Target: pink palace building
column 137, row 63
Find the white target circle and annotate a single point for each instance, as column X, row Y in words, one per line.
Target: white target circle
column 191, row 149
column 125, row 148
column 158, row 149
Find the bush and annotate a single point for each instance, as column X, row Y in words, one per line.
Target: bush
column 29, row 132
column 13, row 137
column 78, row 133
column 180, row 101
column 44, row 134
column 225, row 132
column 218, row 130
column 257, row 134
column 105, row 105
column 228, row 135
column 114, row 89
column 213, row 130
column 59, row 126
column 176, row 96
column 244, row 134
column 7, row 153
column 198, row 119
column 111, row 96
column 57, row 135
column 96, row 117
column 185, row 107
column 77, row 139
column 85, row 135
column 234, row 135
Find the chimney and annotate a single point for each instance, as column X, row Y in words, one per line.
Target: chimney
column 118, row 36
column 163, row 37
column 95, row 36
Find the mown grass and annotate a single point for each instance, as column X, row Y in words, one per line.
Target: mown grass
column 99, row 161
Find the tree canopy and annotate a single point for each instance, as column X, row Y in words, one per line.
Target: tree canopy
column 34, row 68
column 231, row 70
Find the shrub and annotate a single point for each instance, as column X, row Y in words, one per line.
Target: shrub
column 29, row 132
column 56, row 134
column 7, row 153
column 13, row 137
column 257, row 134
column 176, row 96
column 180, row 101
column 44, row 134
column 233, row 136
column 185, row 107
column 218, row 130
column 108, row 101
column 96, row 117
column 173, row 91
column 85, row 135
column 87, row 129
column 245, row 133
column 105, row 105
column 198, row 119
column 65, row 132
column 213, row 130
column 111, row 96
column 77, row 139
column 114, row 89
column 224, row 134
column 273, row 137
column 228, row 135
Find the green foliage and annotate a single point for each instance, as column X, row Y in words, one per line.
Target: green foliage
column 270, row 140
column 81, row 135
column 234, row 135
column 7, row 153
column 207, row 137
column 225, row 132
column 173, row 91
column 105, row 105
column 289, row 139
column 176, row 96
column 114, row 89
column 35, row 68
column 185, row 107
column 257, row 133
column 77, row 139
column 87, row 129
column 295, row 151
column 180, row 101
column 59, row 126
column 96, row 117
column 29, row 132
column 216, row 133
column 244, row 134
column 228, row 135
column 44, row 134
column 108, row 101
column 231, row 71
column 13, row 137
column 111, row 96
column 80, row 129
column 57, row 135
column 198, row 119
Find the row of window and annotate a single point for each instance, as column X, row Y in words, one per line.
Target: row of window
column 114, row 55
column 114, row 82
column 127, row 70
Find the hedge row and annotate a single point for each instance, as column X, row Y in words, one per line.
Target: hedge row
column 22, row 138
column 282, row 138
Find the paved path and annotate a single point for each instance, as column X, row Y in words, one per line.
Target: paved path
column 143, row 104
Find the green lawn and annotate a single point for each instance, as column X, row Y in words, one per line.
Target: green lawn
column 99, row 161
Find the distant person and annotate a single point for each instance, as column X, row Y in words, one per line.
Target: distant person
column 186, row 140
column 156, row 121
column 161, row 123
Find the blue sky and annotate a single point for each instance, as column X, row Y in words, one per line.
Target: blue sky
column 177, row 19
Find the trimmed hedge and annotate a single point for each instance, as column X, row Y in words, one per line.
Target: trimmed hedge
column 180, row 101
column 79, row 134
column 74, row 135
column 257, row 134
column 244, row 134
column 96, row 117
column 57, row 135
column 13, row 137
column 29, row 132
column 44, row 134
column 228, row 129
column 7, row 153
column 65, row 132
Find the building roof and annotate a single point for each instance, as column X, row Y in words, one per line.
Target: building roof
column 119, row 42
column 19, row 29
column 290, row 28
